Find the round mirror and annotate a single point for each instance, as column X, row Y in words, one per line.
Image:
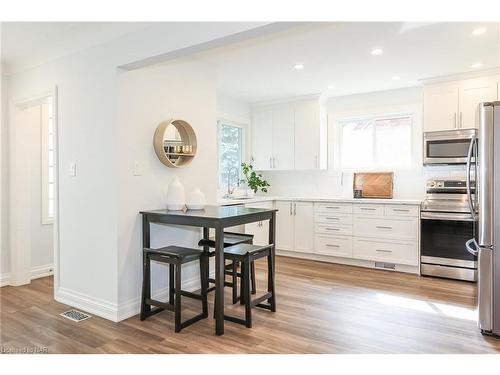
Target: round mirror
column 175, row 143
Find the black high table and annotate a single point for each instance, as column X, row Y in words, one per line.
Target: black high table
column 217, row 217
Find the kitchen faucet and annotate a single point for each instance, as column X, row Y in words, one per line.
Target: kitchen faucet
column 230, row 189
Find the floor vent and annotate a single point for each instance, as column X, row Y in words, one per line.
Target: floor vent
column 386, row 266
column 75, row 315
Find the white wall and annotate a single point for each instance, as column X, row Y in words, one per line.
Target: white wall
column 180, row 89
column 88, row 133
column 4, row 184
column 409, row 183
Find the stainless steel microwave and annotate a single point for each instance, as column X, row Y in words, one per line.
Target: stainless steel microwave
column 449, row 146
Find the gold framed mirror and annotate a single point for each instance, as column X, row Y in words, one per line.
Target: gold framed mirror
column 174, row 142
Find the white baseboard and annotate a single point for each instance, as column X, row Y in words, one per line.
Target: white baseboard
column 89, row 304
column 36, row 273
column 4, row 279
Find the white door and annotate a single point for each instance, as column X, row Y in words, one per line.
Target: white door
column 441, row 107
column 307, row 135
column 284, row 225
column 262, row 139
column 472, row 92
column 303, row 227
column 283, row 139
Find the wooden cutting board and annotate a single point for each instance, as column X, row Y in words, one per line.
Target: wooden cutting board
column 374, row 184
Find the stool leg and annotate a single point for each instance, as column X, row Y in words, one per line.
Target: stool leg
column 234, row 276
column 204, row 284
column 252, row 277
column 146, row 286
column 242, row 285
column 248, row 302
column 270, row 279
column 177, row 307
column 171, row 288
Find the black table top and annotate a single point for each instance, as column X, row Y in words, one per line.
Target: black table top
column 211, row 212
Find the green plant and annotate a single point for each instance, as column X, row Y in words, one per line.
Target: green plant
column 252, row 179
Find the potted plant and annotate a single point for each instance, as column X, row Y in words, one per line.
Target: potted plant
column 254, row 181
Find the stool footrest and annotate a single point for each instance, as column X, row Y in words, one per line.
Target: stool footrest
column 192, row 320
column 264, row 297
column 235, row 319
column 162, row 305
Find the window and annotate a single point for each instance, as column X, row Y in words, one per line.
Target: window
column 48, row 162
column 381, row 142
column 230, row 153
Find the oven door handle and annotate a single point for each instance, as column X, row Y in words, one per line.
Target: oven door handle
column 468, row 245
column 445, row 216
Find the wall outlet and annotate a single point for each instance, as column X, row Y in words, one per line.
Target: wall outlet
column 72, row 169
column 137, row 168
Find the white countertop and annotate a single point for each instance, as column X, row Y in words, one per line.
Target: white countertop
column 226, row 202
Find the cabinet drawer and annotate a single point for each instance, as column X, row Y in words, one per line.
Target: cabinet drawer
column 397, row 229
column 345, row 208
column 334, row 229
column 369, row 209
column 325, row 218
column 393, row 252
column 340, row 246
column 401, row 210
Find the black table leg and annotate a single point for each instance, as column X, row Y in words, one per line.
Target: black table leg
column 146, row 281
column 219, row 280
column 272, row 269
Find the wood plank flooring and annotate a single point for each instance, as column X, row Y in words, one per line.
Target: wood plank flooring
column 322, row 308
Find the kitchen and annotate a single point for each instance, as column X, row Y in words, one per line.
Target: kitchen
column 368, row 198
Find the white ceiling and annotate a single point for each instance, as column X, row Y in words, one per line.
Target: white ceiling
column 339, row 54
column 27, row 44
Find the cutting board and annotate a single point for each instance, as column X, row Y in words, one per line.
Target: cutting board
column 374, row 184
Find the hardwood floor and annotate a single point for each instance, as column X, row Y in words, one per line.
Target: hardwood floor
column 322, row 308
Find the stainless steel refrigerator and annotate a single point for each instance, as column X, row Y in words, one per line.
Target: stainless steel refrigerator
column 484, row 161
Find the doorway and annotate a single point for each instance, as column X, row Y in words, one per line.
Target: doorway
column 33, row 189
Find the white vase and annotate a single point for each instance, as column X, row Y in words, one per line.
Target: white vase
column 176, row 197
column 196, row 200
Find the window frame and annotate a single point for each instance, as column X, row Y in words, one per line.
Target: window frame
column 45, row 118
column 374, row 118
column 242, row 144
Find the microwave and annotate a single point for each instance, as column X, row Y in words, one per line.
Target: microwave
column 449, row 146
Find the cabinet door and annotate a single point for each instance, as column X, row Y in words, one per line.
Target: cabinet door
column 303, row 227
column 283, row 139
column 284, row 226
column 441, row 107
column 262, row 139
column 472, row 92
column 260, row 229
column 307, row 135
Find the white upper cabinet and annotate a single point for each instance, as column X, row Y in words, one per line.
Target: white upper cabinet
column 283, row 142
column 454, row 105
column 440, row 107
column 471, row 93
column 262, row 139
column 297, row 139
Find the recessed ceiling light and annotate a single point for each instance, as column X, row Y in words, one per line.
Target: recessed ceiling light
column 395, row 78
column 331, row 87
column 477, row 65
column 377, row 51
column 298, row 66
column 479, row 31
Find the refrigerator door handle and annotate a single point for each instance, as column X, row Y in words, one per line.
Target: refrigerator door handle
column 468, row 245
column 468, row 185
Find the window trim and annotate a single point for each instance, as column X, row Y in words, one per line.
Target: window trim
column 44, row 149
column 378, row 116
column 242, row 128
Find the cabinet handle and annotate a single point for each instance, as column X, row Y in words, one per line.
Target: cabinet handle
column 330, row 245
column 290, row 209
column 333, row 207
column 274, row 162
column 460, row 123
column 270, row 162
column 366, row 209
column 316, row 161
column 332, row 218
column 382, row 227
column 332, row 228
column 383, row 251
column 455, row 120
column 295, row 209
column 401, row 210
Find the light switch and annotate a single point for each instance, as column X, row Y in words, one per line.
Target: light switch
column 72, row 169
column 137, row 168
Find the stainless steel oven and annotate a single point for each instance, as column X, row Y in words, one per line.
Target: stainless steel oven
column 448, row 147
column 446, row 224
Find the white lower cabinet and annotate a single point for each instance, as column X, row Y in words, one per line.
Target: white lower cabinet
column 381, row 227
column 339, row 246
column 384, row 251
column 295, row 226
column 259, row 229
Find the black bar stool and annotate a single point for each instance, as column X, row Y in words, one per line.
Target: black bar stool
column 246, row 254
column 230, row 239
column 175, row 257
